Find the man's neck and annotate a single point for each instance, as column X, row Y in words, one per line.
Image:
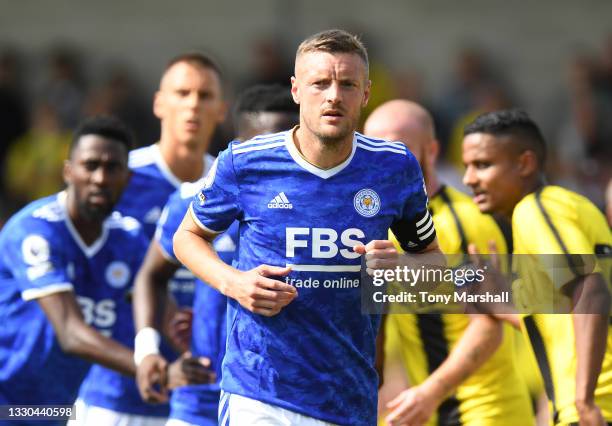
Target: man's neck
column 88, row 230
column 432, row 184
column 185, row 161
column 319, row 154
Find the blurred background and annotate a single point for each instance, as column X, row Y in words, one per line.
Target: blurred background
column 61, row 60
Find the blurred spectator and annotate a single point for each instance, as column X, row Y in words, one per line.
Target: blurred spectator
column 582, row 149
column 472, row 75
column 270, row 63
column 486, row 98
column 13, row 122
column 609, row 202
column 120, row 96
column 64, row 89
column 34, row 164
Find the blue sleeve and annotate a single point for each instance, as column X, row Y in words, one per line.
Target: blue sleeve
column 37, row 260
column 169, row 222
column 217, row 204
column 414, row 229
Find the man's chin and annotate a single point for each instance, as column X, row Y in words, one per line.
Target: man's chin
column 97, row 212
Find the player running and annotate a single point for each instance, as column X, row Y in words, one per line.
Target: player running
column 462, row 367
column 65, row 266
column 299, row 349
column 504, row 153
column 189, row 104
column 259, row 110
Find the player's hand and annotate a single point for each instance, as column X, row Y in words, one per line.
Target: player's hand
column 379, row 254
column 179, row 329
column 188, row 370
column 413, row 407
column 151, row 379
column 258, row 293
column 589, row 414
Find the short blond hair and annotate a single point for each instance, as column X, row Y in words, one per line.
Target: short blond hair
column 334, row 41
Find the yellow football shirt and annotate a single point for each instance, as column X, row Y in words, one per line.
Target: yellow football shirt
column 495, row 394
column 556, row 221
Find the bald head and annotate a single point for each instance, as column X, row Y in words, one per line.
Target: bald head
column 405, row 121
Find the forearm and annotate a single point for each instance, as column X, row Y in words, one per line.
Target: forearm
column 480, row 340
column 592, row 301
column 591, row 333
column 150, row 299
column 81, row 340
column 198, row 254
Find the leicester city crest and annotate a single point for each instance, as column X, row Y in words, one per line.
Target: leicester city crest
column 118, row 274
column 367, row 202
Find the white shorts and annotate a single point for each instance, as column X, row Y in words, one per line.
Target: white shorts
column 236, row 410
column 89, row 415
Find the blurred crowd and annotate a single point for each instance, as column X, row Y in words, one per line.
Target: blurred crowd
column 37, row 115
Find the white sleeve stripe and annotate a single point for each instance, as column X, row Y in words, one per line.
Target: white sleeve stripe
column 200, row 224
column 258, row 147
column 382, row 142
column 424, row 228
column 424, row 237
column 37, row 293
column 423, row 219
column 252, row 142
column 369, row 148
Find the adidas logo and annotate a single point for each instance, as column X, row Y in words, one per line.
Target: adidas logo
column 280, row 202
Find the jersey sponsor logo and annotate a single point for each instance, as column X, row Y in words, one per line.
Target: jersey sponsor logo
column 367, row 202
column 201, row 198
column 323, row 242
column 117, row 274
column 280, row 202
column 100, row 314
column 153, row 215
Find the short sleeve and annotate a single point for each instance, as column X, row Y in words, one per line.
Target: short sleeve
column 38, row 262
column 414, row 228
column 217, row 204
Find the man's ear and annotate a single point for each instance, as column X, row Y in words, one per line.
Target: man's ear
column 527, row 163
column 434, row 151
column 67, row 172
column 295, row 91
column 158, row 106
column 366, row 94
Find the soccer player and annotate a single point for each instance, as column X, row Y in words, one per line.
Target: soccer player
column 62, row 252
column 309, row 202
column 504, row 154
column 462, row 366
column 260, row 109
column 189, row 104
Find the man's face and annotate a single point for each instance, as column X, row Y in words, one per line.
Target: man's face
column 189, row 103
column 96, row 175
column 331, row 90
column 493, row 173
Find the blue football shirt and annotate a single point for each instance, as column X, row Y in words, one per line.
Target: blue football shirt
column 41, row 253
column 316, row 357
column 198, row 404
column 144, row 198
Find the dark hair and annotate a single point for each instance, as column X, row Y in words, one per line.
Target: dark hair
column 106, row 126
column 334, row 41
column 196, row 58
column 511, row 122
column 265, row 98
